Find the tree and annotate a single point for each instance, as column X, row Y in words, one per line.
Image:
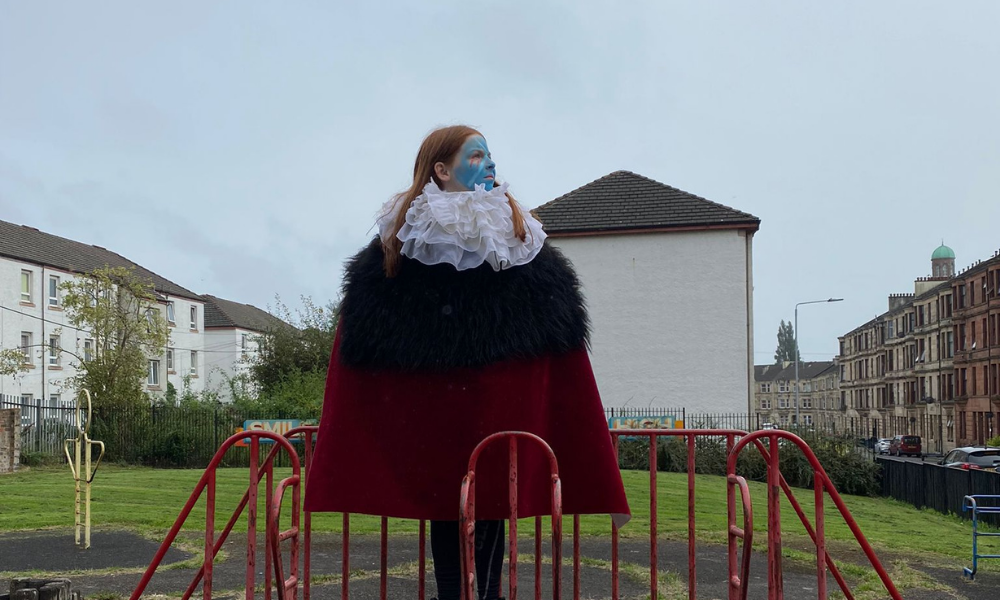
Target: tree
column 786, row 344
column 13, row 361
column 289, row 370
column 119, row 312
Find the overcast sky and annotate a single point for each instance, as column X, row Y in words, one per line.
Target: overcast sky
column 242, row 148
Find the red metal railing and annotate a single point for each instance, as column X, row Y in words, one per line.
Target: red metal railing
column 273, row 537
column 738, row 534
column 467, row 520
column 737, row 576
column 822, row 487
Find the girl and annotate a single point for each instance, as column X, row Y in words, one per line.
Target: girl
column 456, row 322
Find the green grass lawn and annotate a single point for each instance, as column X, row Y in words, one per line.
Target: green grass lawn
column 148, row 500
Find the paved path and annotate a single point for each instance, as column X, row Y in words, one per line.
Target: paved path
column 114, row 564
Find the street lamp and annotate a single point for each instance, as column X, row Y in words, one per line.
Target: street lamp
column 798, row 422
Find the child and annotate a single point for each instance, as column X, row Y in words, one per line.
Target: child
column 457, row 322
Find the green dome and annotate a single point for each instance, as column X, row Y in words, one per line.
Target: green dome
column 943, row 252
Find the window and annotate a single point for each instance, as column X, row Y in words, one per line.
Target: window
column 782, row 402
column 27, row 398
column 54, row 401
column 88, row 350
column 194, row 361
column 807, row 419
column 765, row 404
column 783, row 386
column 153, row 378
column 170, row 360
column 949, row 337
column 765, row 388
column 822, row 403
column 26, row 286
column 170, row 313
column 243, row 344
column 26, row 347
column 54, row 351
column 807, row 403
column 53, row 290
column 194, row 318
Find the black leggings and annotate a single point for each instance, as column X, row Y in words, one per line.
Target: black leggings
column 447, row 560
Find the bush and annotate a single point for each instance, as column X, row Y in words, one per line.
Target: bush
column 994, row 441
column 177, row 448
column 40, row 459
column 850, row 472
column 299, row 395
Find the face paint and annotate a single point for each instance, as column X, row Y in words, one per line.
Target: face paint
column 475, row 166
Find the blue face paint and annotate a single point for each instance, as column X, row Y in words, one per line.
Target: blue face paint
column 475, row 166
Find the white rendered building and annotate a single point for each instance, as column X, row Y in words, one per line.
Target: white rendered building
column 668, row 278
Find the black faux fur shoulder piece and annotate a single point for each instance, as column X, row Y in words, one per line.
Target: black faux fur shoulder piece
column 434, row 317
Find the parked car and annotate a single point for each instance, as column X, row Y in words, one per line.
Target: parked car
column 984, row 458
column 883, row 445
column 905, row 444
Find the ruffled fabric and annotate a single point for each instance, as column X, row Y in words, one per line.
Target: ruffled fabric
column 463, row 229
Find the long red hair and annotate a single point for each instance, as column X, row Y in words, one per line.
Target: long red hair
column 441, row 145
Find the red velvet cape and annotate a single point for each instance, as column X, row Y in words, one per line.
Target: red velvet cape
column 398, row 443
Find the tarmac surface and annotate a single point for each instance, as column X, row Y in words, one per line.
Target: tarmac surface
column 114, row 565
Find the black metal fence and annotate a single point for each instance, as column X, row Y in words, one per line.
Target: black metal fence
column 188, row 436
column 648, row 418
column 927, row 485
column 43, row 428
column 701, row 420
column 168, row 436
column 161, row 436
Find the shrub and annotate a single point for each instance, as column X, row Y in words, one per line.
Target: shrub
column 40, row 459
column 850, row 472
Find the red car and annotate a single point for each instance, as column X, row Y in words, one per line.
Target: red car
column 905, row 444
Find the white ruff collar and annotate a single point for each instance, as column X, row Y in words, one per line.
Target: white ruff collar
column 463, row 229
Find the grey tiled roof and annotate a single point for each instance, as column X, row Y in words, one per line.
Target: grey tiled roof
column 226, row 313
column 27, row 244
column 623, row 200
column 766, row 372
column 807, row 370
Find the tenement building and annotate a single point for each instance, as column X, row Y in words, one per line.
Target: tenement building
column 926, row 366
column 819, row 395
